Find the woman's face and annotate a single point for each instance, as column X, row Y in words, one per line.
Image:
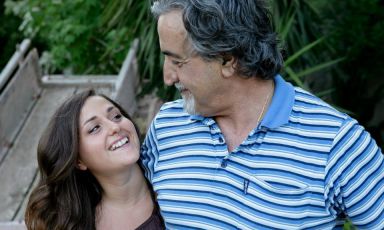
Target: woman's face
column 108, row 140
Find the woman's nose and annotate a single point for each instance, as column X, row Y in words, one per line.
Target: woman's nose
column 113, row 128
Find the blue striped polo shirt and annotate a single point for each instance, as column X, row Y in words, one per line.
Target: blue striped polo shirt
column 304, row 165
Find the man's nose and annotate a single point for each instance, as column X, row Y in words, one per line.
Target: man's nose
column 169, row 74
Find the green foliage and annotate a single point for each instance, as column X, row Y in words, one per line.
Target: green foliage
column 9, row 36
column 356, row 29
column 142, row 25
column 297, row 23
column 91, row 36
column 71, row 30
column 346, row 35
column 349, row 226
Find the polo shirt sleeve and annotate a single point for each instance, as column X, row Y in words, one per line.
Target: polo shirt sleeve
column 354, row 177
column 149, row 152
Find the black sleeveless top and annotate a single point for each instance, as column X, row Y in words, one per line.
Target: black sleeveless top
column 154, row 222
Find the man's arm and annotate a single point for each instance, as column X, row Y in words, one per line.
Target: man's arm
column 355, row 177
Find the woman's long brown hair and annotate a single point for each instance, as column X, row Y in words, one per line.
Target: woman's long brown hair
column 65, row 197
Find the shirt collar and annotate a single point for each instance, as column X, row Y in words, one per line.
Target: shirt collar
column 281, row 105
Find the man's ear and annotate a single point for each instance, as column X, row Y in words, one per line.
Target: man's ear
column 80, row 165
column 228, row 68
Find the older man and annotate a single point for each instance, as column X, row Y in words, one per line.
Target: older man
column 244, row 149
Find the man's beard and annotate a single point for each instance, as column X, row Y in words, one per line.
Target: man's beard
column 189, row 100
column 189, row 104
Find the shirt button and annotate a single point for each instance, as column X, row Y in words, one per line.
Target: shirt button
column 224, row 163
column 221, row 140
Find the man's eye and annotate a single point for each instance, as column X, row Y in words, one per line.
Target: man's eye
column 178, row 63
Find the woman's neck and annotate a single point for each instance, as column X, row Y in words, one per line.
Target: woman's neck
column 125, row 188
column 126, row 201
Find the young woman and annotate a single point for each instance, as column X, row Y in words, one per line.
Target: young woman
column 90, row 177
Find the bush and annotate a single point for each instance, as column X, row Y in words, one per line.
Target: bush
column 356, row 30
column 73, row 35
column 9, row 36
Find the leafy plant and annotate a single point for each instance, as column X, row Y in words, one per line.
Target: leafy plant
column 346, row 35
column 142, row 25
column 71, row 30
column 9, row 36
column 356, row 29
column 308, row 60
column 93, row 37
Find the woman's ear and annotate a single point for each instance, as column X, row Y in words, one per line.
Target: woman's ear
column 228, row 68
column 80, row 165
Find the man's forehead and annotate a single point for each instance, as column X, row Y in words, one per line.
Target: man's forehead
column 172, row 21
column 172, row 34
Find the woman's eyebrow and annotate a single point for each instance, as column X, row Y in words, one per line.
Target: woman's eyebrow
column 109, row 109
column 88, row 120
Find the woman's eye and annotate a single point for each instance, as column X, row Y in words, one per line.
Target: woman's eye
column 94, row 129
column 117, row 117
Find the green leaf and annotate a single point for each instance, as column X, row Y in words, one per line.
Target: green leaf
column 287, row 27
column 302, row 51
column 318, row 67
column 292, row 75
column 325, row 92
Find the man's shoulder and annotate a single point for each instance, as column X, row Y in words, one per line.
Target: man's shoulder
column 172, row 110
column 172, row 105
column 310, row 104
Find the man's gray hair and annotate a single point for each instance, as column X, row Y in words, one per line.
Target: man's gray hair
column 219, row 29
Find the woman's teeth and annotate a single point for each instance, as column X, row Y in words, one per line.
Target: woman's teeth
column 119, row 143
